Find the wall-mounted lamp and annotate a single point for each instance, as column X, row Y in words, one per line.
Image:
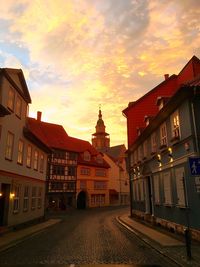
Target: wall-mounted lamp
column 159, row 160
column 12, row 195
column 1, row 194
column 187, row 146
column 170, row 154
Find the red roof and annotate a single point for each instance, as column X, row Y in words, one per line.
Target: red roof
column 55, row 136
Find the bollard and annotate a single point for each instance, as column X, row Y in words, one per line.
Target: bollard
column 188, row 243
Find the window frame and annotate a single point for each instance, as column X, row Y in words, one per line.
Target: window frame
column 11, row 99
column 9, row 146
column 29, row 156
column 20, row 153
column 163, row 134
column 18, row 107
column 26, row 198
column 35, row 160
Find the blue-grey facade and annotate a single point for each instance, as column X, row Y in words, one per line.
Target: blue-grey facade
column 165, row 186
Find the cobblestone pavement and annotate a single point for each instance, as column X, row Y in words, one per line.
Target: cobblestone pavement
column 84, row 237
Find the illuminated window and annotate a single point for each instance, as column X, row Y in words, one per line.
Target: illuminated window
column 9, row 146
column 18, row 107
column 35, row 162
column 11, row 99
column 20, row 152
column 29, row 156
column 175, row 125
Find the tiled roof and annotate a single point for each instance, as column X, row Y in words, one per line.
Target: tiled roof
column 115, row 152
column 55, row 136
column 194, row 82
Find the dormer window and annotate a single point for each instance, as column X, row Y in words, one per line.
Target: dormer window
column 161, row 101
column 87, row 156
column 139, row 131
column 99, row 159
column 147, row 119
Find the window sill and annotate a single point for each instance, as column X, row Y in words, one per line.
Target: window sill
column 181, row 206
column 8, row 159
column 168, row 205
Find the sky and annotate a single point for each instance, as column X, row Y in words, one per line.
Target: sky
column 79, row 54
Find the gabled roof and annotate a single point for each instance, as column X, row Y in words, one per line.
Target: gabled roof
column 19, row 83
column 114, row 152
column 55, row 136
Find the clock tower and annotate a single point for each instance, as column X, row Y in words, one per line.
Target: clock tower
column 100, row 139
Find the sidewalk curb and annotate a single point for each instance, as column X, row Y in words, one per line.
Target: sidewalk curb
column 32, row 233
column 145, row 240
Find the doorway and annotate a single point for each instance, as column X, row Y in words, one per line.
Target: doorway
column 4, row 203
column 81, row 200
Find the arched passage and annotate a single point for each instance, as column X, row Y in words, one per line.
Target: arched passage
column 81, row 200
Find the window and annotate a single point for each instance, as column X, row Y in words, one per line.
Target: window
column 41, row 163
column 18, row 107
column 9, row 146
column 85, row 171
column 72, row 156
column 99, row 159
column 156, row 189
column 87, row 156
column 56, row 186
column 100, row 172
column 29, row 156
column 33, row 199
column 35, row 162
column 16, row 192
column 98, row 200
column 145, row 148
column 179, row 174
column 26, row 198
column 39, row 197
column 71, row 171
column 20, row 152
column 167, row 188
column 82, row 184
column 175, row 125
column 11, row 99
column 163, row 134
column 59, row 170
column 153, row 143
column 141, row 190
column 100, row 185
column 70, row 185
column 59, row 154
column 140, row 153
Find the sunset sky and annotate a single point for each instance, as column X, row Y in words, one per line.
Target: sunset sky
column 77, row 54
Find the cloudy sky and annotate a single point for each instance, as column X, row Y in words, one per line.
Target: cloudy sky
column 77, row 54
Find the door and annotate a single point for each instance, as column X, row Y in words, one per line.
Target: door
column 4, row 203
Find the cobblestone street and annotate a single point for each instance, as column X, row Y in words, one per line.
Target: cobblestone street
column 85, row 237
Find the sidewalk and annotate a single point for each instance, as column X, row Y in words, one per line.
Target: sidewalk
column 168, row 244
column 10, row 239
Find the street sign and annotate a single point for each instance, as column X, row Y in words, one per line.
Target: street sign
column 194, row 166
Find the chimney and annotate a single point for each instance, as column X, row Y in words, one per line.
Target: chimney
column 166, row 76
column 39, row 115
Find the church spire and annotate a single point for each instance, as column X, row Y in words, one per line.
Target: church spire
column 100, row 139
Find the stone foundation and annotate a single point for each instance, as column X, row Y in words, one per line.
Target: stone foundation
column 171, row 226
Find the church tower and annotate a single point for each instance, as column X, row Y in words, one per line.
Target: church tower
column 100, row 139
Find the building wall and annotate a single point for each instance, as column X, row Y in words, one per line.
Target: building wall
column 118, row 181
column 14, row 174
column 169, row 174
column 86, row 183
